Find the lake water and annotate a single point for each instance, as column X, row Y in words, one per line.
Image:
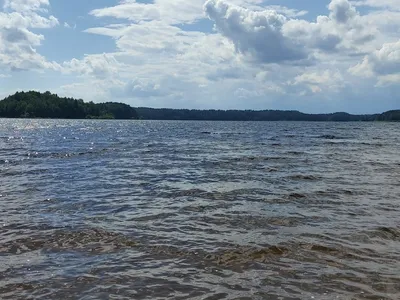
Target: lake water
column 199, row 210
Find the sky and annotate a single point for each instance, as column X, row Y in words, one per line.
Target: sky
column 309, row 55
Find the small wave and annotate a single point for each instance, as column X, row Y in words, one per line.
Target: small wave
column 303, row 177
column 372, row 144
column 255, row 159
column 91, row 240
column 332, row 192
column 387, row 233
column 244, row 255
column 66, row 155
column 296, row 196
column 250, row 222
column 295, row 152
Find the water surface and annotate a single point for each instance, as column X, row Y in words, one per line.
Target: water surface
column 199, row 210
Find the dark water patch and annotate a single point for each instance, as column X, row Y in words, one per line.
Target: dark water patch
column 295, row 196
column 305, row 177
column 386, row 233
column 244, row 221
column 296, row 153
column 332, row 137
column 372, row 144
column 24, row 172
column 66, row 155
column 247, row 159
column 228, row 195
column 245, row 255
column 336, row 192
column 377, row 163
column 339, row 144
column 24, row 227
column 5, row 162
column 182, row 193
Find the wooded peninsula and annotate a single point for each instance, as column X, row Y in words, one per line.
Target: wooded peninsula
column 34, row 104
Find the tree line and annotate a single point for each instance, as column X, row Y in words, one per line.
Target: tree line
column 34, row 104
column 260, row 115
column 46, row 105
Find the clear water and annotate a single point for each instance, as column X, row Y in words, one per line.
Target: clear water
column 199, row 210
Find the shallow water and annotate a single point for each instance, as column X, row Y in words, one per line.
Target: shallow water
column 199, row 210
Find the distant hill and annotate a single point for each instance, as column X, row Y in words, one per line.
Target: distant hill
column 46, row 105
column 260, row 115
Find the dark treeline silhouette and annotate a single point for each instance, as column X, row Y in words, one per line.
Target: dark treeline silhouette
column 391, row 115
column 252, row 115
column 46, row 105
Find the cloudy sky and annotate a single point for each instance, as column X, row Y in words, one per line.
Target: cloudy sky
column 308, row 55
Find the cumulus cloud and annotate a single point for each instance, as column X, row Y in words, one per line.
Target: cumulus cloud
column 318, row 81
column 343, row 30
column 383, row 63
column 270, row 37
column 98, row 66
column 256, row 33
column 386, row 60
column 17, row 40
column 141, row 88
column 341, row 11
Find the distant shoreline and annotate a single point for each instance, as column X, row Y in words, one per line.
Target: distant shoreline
column 36, row 105
column 202, row 120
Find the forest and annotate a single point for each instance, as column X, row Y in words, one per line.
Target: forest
column 47, row 105
column 260, row 115
column 34, row 104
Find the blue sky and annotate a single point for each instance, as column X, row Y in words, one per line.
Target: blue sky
column 309, row 55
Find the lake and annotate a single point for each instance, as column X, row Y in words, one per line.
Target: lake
column 199, row 210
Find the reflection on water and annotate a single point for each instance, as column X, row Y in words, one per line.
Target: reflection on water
column 199, row 210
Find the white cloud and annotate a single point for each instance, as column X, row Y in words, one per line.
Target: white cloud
column 26, row 5
column 270, row 37
column 386, row 60
column 383, row 63
column 320, row 81
column 259, row 54
column 17, row 42
column 386, row 80
column 257, row 34
column 344, row 30
column 97, row 66
column 172, row 11
column 384, row 4
column 341, row 11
